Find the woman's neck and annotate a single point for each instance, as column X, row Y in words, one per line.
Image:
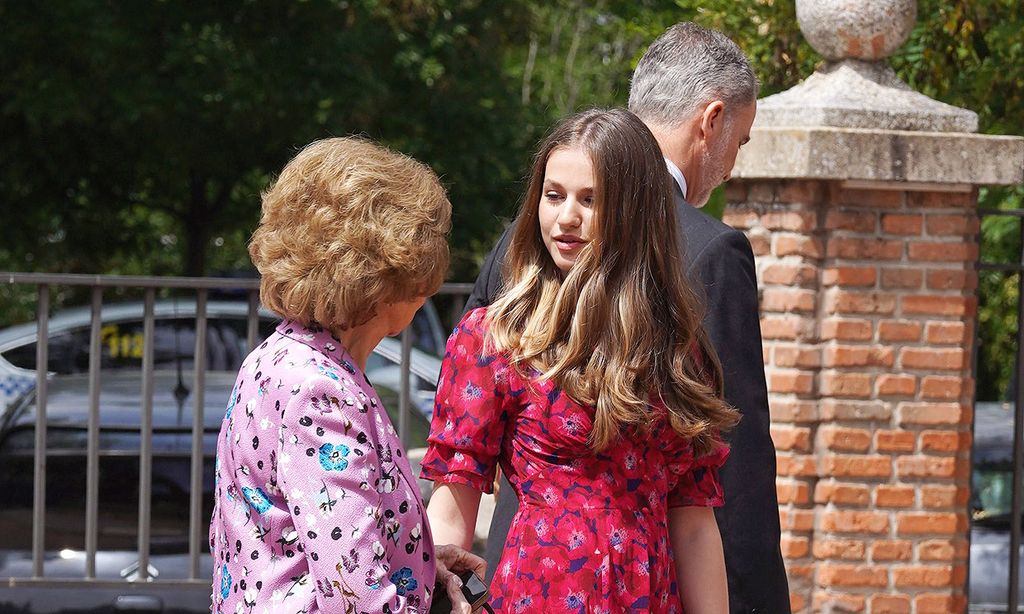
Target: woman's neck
column 360, row 340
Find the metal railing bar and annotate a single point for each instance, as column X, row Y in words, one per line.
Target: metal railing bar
column 110, row 454
column 459, row 302
column 403, row 388
column 39, row 469
column 460, row 287
column 146, row 434
column 992, row 266
column 198, row 394
column 1004, row 212
column 92, row 464
column 971, row 477
column 114, row 428
column 124, row 281
column 198, row 452
column 1017, row 501
column 168, row 282
column 455, row 313
column 98, row 583
column 252, row 320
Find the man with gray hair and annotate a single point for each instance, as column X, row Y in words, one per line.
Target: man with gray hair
column 697, row 93
column 682, row 88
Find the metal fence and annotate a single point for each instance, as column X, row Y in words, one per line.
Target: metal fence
column 150, row 287
column 1017, row 497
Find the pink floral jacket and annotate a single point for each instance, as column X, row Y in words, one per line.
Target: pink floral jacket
column 316, row 506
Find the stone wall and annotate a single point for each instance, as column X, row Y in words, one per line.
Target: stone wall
column 868, row 307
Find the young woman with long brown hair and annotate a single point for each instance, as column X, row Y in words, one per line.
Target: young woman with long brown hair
column 592, row 384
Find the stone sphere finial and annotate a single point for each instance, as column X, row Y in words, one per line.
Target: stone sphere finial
column 856, row 29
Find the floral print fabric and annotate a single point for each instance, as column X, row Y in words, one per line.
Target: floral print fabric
column 591, row 534
column 316, row 506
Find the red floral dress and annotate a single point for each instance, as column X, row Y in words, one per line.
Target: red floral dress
column 591, row 534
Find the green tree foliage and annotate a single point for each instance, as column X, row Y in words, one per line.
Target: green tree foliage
column 138, row 135
column 970, row 54
column 999, row 294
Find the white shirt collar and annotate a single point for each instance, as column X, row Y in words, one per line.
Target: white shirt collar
column 677, row 175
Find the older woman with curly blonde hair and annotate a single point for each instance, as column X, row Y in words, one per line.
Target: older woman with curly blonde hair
column 316, row 506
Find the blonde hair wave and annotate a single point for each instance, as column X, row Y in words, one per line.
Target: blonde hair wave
column 622, row 330
column 347, row 226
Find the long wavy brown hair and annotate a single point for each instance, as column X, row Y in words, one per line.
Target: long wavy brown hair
column 621, row 331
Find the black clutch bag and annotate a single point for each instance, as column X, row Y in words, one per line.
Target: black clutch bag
column 473, row 589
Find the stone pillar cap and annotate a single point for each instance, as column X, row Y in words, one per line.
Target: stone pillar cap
column 907, row 157
column 854, row 120
column 858, row 94
column 856, row 29
column 856, row 88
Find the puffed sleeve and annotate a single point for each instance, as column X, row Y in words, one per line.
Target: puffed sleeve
column 469, row 419
column 700, row 486
column 343, row 507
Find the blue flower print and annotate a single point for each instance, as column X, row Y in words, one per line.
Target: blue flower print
column 574, row 601
column 225, row 582
column 332, row 457
column 472, row 391
column 331, row 373
column 403, row 581
column 232, row 401
column 257, row 498
column 616, row 537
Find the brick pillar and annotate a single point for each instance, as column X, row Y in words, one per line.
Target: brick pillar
column 868, row 304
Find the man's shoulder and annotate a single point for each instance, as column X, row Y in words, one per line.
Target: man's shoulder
column 702, row 234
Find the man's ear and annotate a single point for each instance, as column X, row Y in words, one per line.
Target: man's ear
column 712, row 120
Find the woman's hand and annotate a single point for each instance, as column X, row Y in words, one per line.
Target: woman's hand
column 449, row 560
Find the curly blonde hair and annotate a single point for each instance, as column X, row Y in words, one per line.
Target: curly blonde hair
column 347, row 226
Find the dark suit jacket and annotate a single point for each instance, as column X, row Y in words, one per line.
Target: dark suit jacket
column 720, row 260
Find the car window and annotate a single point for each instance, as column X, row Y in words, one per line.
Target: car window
column 992, row 492
column 992, row 464
column 121, row 346
column 61, row 349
